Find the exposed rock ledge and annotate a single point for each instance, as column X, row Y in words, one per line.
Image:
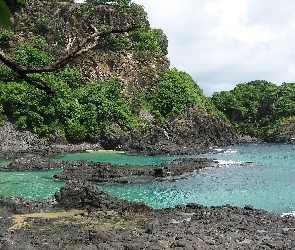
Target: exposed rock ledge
column 101, row 221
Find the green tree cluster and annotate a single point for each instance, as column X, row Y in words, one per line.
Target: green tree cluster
column 257, row 107
column 87, row 112
column 75, row 112
column 153, row 40
column 176, row 91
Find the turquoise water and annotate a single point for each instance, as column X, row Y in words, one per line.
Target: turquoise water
column 29, row 185
column 115, row 158
column 261, row 175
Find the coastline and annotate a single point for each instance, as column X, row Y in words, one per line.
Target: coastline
column 81, row 216
column 86, row 217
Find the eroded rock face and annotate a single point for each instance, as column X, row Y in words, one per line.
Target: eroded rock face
column 191, row 133
column 63, row 23
column 285, row 133
column 15, row 142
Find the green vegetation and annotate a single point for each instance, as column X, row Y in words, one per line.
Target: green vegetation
column 79, row 110
column 77, row 113
column 42, row 26
column 5, row 39
column 153, row 40
column 257, row 107
column 30, row 55
column 87, row 112
column 176, row 92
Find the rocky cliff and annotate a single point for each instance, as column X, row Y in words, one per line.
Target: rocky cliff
column 284, row 133
column 64, row 23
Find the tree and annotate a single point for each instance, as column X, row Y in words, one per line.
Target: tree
column 249, row 106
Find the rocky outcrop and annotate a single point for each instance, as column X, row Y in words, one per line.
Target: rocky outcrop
column 284, row 133
column 105, row 172
column 191, row 133
column 77, row 194
column 17, row 143
column 62, row 23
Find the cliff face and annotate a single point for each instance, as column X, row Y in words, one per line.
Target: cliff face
column 284, row 133
column 191, row 133
column 63, row 23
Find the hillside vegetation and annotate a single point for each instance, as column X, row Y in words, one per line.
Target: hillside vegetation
column 84, row 108
column 257, row 108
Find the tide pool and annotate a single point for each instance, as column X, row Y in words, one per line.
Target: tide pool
column 261, row 175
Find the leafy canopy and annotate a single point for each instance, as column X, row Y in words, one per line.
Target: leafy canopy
column 176, row 91
column 257, row 107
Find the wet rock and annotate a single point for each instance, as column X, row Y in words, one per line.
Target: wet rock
column 79, row 194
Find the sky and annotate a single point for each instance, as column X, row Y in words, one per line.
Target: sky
column 222, row 43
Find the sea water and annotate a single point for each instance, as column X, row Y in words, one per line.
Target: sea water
column 29, row 184
column 261, row 175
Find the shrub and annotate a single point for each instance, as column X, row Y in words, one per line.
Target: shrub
column 42, row 27
column 5, row 39
column 176, row 91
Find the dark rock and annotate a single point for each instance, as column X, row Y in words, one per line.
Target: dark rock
column 79, row 194
column 191, row 133
column 284, row 133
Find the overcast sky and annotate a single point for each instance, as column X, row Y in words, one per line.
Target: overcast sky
column 221, row 43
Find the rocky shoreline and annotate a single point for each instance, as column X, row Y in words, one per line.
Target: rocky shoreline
column 81, row 216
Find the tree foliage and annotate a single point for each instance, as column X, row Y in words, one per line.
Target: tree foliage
column 75, row 112
column 176, row 91
column 153, row 40
column 8, row 7
column 257, row 107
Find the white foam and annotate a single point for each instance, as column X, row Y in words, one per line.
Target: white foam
column 230, row 151
column 288, row 214
column 223, row 162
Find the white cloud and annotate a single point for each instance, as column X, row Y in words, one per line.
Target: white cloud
column 225, row 42
column 221, row 43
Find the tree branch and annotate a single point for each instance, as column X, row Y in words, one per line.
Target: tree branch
column 16, row 67
column 73, row 52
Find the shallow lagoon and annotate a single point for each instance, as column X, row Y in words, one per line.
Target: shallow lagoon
column 261, row 175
